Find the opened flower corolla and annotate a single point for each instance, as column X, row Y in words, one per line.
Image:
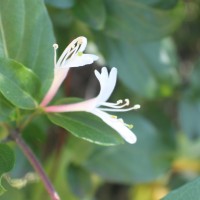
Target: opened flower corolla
column 99, row 105
column 72, row 56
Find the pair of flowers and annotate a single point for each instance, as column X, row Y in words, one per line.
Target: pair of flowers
column 73, row 57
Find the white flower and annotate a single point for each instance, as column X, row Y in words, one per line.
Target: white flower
column 98, row 105
column 72, row 56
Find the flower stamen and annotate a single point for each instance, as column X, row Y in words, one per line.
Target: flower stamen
column 55, row 46
column 77, row 45
column 117, row 104
column 130, row 126
column 80, row 53
column 119, row 101
column 127, row 102
column 116, row 107
column 70, row 54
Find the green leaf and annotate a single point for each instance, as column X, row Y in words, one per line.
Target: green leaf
column 2, row 190
column 7, row 162
column 7, row 159
column 35, row 133
column 60, row 3
column 148, row 2
column 156, row 61
column 87, row 126
column 141, row 162
column 3, row 132
column 131, row 21
column 26, row 35
column 186, row 192
column 166, row 4
column 189, row 104
column 92, row 12
column 79, row 181
column 189, row 115
column 6, row 109
column 12, row 194
column 18, row 84
column 159, row 3
column 194, row 80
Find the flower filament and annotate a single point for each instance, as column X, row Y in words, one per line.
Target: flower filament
column 117, row 107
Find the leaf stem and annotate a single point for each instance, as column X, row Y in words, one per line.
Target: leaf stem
column 35, row 163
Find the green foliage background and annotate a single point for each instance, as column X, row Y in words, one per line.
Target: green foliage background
column 155, row 46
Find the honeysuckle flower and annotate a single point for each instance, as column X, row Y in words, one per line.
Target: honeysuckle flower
column 99, row 105
column 72, row 56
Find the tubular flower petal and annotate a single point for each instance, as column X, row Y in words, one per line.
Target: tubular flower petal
column 72, row 56
column 98, row 105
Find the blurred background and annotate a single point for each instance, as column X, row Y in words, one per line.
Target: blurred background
column 155, row 45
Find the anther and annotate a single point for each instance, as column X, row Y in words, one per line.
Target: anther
column 130, row 126
column 119, row 101
column 127, row 102
column 80, row 53
column 137, row 106
column 55, row 46
column 114, row 116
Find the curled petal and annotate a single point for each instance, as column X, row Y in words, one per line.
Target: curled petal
column 107, row 83
column 77, row 45
column 117, row 125
column 80, row 60
column 111, row 83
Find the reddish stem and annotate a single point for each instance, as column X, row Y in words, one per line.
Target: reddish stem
column 35, row 164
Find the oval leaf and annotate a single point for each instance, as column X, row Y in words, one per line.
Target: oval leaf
column 189, row 115
column 156, row 61
column 6, row 109
column 91, row 12
column 7, row 160
column 26, row 35
column 139, row 19
column 79, row 180
column 186, row 192
column 87, row 126
column 18, row 84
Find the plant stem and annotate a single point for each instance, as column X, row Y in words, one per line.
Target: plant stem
column 35, row 164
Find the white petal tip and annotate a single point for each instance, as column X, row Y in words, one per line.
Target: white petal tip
column 95, row 57
column 114, row 69
column 96, row 72
column 103, row 69
column 82, row 39
column 91, row 57
column 131, row 140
